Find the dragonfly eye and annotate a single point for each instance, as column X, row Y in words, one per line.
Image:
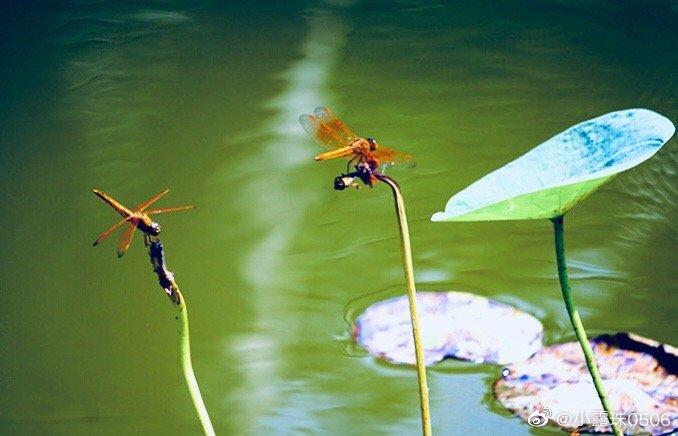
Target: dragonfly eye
column 373, row 143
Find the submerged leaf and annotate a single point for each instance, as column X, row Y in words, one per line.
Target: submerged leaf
column 453, row 324
column 554, row 386
column 554, row 176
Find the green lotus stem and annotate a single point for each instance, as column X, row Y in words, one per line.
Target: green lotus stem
column 187, row 367
column 412, row 297
column 166, row 279
column 558, row 229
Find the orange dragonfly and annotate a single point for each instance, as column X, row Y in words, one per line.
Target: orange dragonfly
column 330, row 132
column 138, row 218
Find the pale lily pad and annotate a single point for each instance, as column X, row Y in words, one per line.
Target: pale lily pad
column 554, row 176
column 554, row 387
column 453, row 324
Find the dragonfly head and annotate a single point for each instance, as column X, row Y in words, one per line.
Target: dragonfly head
column 155, row 228
column 373, row 143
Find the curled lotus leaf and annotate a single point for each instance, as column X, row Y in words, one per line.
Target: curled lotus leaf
column 553, row 177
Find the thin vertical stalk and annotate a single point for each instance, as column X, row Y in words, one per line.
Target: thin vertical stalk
column 558, row 229
column 187, row 368
column 156, row 252
column 412, row 296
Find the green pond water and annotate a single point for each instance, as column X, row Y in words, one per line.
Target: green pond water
column 204, row 97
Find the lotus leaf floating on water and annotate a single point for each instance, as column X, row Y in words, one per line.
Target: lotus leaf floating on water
column 639, row 376
column 453, row 324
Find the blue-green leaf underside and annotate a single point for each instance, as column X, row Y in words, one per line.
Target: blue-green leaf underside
column 556, row 175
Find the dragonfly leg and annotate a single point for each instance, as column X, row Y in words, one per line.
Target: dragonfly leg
column 348, row 165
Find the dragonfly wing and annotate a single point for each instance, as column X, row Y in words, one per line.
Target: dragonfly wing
column 168, row 209
column 122, row 210
column 142, row 206
column 325, row 115
column 321, row 132
column 126, row 238
column 390, row 157
column 108, row 232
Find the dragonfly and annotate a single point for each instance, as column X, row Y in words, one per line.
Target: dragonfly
column 330, row 132
column 137, row 218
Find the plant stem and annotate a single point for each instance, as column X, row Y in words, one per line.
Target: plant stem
column 558, row 229
column 412, row 296
column 187, row 367
column 156, row 252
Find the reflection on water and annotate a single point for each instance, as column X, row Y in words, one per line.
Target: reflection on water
column 282, row 157
column 275, row 213
column 204, row 98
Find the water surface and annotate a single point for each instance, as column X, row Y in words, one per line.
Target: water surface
column 204, row 98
